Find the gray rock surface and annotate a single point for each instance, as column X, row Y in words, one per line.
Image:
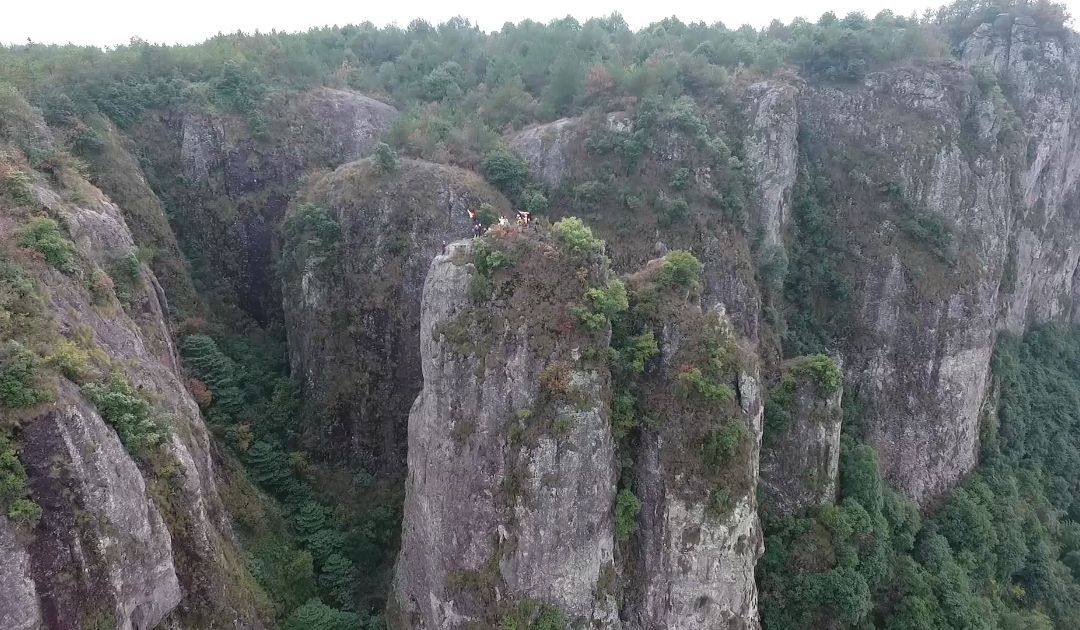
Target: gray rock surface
column 118, row 543
column 19, row 607
column 771, row 155
column 353, row 323
column 800, row 464
column 691, row 561
column 547, row 148
column 232, row 182
column 932, row 141
column 101, row 546
column 353, row 124
column 510, row 492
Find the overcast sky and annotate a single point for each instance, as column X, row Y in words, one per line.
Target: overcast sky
column 106, row 22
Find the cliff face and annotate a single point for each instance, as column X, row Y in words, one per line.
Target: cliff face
column 800, row 455
column 229, row 178
column 953, row 190
column 633, row 211
column 102, row 547
column 511, row 435
column 949, row 191
column 696, row 470
column 353, row 319
column 121, row 540
column 1000, row 176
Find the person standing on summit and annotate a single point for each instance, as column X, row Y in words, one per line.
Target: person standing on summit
column 478, row 228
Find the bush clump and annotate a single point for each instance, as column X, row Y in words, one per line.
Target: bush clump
column 17, row 184
column 932, row 231
column 722, row 444
column 681, row 269
column 127, row 411
column 19, row 301
column 70, row 360
column 13, row 487
column 311, row 236
column 577, row 238
column 627, row 508
column 821, row 370
column 126, row 276
column 506, row 171
column 43, row 234
column 20, row 379
column 532, row 615
column 610, row 300
column 605, row 304
column 693, row 383
column 623, row 415
column 386, row 160
column 635, row 351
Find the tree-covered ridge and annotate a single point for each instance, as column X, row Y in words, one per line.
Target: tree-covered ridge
column 1002, row 552
column 522, row 73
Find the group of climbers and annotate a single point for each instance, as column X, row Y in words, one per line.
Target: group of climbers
column 523, row 219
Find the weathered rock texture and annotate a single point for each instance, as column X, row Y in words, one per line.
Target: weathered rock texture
column 800, row 456
column 19, row 609
column 934, row 142
column 511, row 458
column 102, row 545
column 771, row 155
column 563, row 154
column 353, row 321
column 548, row 148
column 511, row 433
column 118, row 544
column 691, row 562
column 985, row 149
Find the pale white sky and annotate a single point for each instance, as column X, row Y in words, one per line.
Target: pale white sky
column 105, row 22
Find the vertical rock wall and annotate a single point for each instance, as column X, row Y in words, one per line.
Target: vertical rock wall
column 691, row 561
column 118, row 543
column 800, row 455
column 352, row 321
column 511, row 459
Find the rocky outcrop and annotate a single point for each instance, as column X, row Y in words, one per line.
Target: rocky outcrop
column 547, row 148
column 138, row 337
column 1040, row 73
column 771, row 156
column 349, row 124
column 101, row 546
column 115, row 171
column 926, row 315
column 565, row 152
column 353, row 321
column 19, row 609
column 510, row 435
column 906, row 152
column 800, row 454
column 121, row 542
column 691, row 561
